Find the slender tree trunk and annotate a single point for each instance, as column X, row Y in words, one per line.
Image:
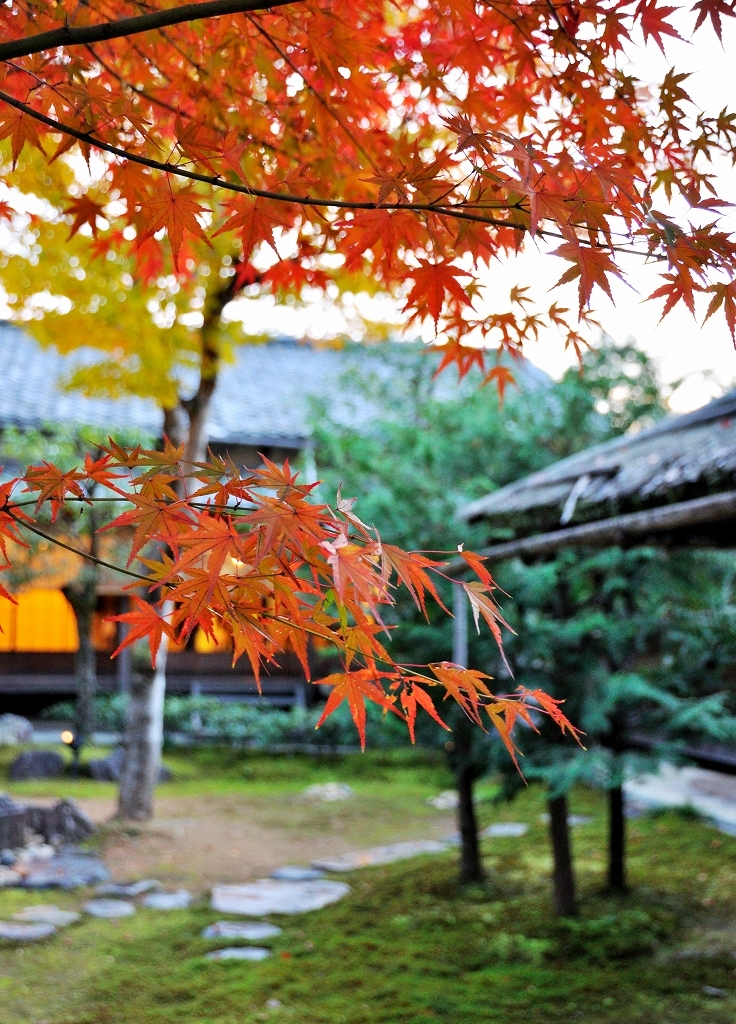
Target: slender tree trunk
column 143, row 741
column 81, row 594
column 616, row 840
column 471, row 866
column 563, row 874
column 85, row 672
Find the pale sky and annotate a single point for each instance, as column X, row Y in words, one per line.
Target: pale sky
column 683, row 348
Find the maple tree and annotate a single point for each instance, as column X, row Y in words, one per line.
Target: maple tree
column 411, row 145
column 254, row 556
column 341, row 147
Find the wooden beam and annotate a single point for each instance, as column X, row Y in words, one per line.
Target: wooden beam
column 608, row 532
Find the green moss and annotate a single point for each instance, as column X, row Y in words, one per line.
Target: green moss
column 407, row 945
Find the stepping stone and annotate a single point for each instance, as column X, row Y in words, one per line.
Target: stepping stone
column 270, row 896
column 380, row 855
column 109, row 908
column 447, row 800
column 47, row 914
column 65, row 871
column 505, row 829
column 572, row 819
column 18, row 931
column 178, row 900
column 8, row 877
column 329, row 791
column 128, row 890
column 239, row 953
column 292, row 873
column 253, row 930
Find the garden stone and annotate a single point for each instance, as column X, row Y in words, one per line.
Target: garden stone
column 110, row 768
column 128, row 890
column 109, row 908
column 714, row 993
column 240, row 953
column 292, row 873
column 35, row 852
column 252, row 930
column 47, row 915
column 329, row 791
column 37, row 764
column 65, row 871
column 445, row 801
column 7, row 858
column 12, row 826
column 8, row 877
column 380, row 855
column 572, row 819
column 270, row 896
column 14, row 729
column 178, row 900
column 17, row 931
column 65, row 822
column 505, row 829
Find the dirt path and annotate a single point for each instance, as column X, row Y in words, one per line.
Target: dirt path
column 197, row 841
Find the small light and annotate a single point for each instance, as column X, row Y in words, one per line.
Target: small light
column 67, row 737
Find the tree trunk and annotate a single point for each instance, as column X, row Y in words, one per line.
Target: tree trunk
column 143, row 741
column 563, row 875
column 471, row 866
column 81, row 594
column 616, row 840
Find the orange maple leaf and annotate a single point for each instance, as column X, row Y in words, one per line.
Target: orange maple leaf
column 432, row 281
column 144, row 623
column 356, row 687
column 174, row 209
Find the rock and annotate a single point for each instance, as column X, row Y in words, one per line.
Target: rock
column 37, row 764
column 715, row 993
column 447, row 800
column 270, row 896
column 109, row 769
column 109, row 908
column 12, row 825
column 17, row 931
column 380, row 855
column 329, row 791
column 14, row 729
column 35, row 852
column 65, row 871
column 252, row 930
column 572, row 819
column 9, row 877
column 453, row 840
column 239, row 953
column 296, row 874
column 47, row 915
column 505, row 829
column 128, row 890
column 65, row 822
column 178, row 900
column 7, row 858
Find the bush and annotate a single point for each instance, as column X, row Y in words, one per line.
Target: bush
column 207, row 718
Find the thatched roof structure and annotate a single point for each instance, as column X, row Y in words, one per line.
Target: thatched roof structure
column 675, row 483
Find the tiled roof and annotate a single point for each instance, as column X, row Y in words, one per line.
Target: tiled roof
column 682, row 457
column 262, row 397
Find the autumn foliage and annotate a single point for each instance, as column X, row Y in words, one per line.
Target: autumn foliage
column 253, row 555
column 409, row 144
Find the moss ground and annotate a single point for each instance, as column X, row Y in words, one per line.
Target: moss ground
column 407, row 945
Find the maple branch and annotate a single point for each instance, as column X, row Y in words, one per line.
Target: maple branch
column 67, row 36
column 75, row 551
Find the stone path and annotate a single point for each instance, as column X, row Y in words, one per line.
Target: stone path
column 271, row 896
column 253, row 931
column 63, row 871
column 380, row 855
column 711, row 793
column 47, row 914
column 109, row 908
column 239, row 953
column 20, row 931
column 178, row 900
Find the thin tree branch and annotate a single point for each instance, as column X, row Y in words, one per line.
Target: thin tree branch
column 67, row 36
